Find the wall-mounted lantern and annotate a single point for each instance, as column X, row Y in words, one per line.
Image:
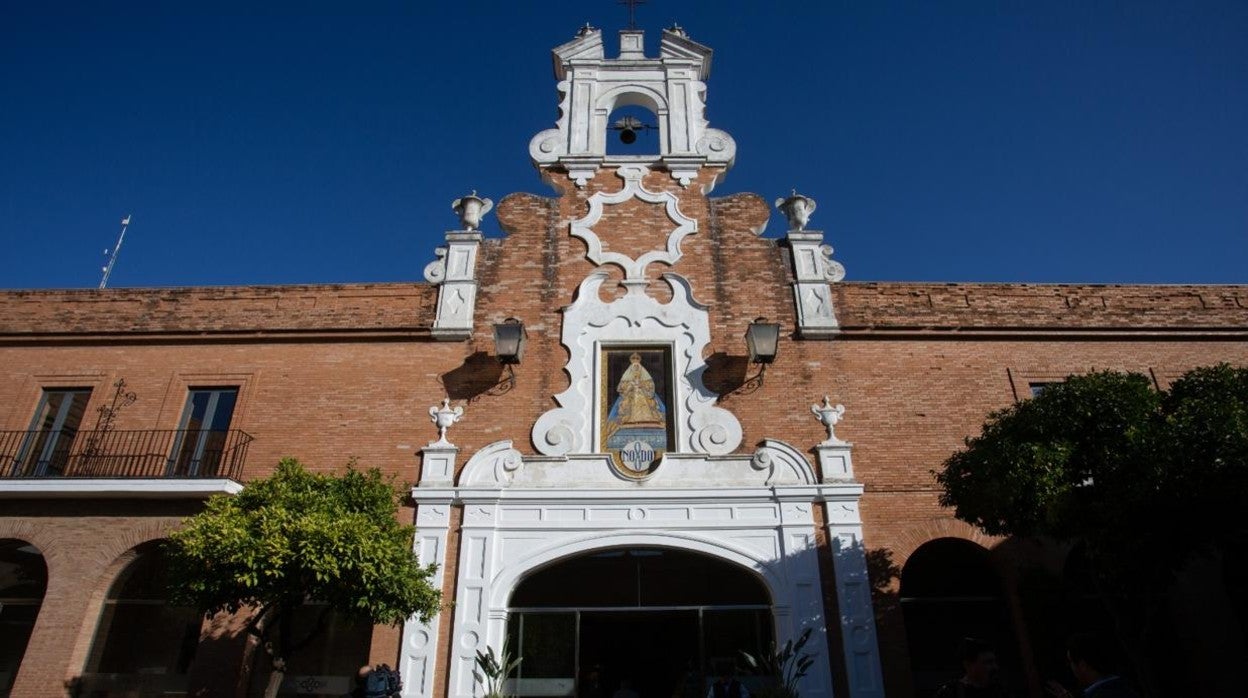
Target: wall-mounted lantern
column 509, row 341
column 762, row 338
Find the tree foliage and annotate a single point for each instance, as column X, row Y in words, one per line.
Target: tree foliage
column 1107, row 459
column 298, row 536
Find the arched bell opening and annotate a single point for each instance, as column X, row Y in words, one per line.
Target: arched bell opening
column 632, row 130
column 23, row 583
column 663, row 621
column 633, row 122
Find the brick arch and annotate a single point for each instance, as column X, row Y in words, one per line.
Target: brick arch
column 118, row 551
column 910, row 540
column 27, row 532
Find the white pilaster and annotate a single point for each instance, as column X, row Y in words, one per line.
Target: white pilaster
column 420, row 640
column 849, row 563
column 455, row 274
column 813, row 270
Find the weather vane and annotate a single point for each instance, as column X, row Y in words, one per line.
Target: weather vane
column 632, row 11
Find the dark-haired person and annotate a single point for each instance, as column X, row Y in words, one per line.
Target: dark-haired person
column 979, row 673
column 727, row 685
column 1092, row 661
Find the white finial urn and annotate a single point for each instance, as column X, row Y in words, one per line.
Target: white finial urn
column 471, row 209
column 444, row 417
column 829, row 416
column 797, row 208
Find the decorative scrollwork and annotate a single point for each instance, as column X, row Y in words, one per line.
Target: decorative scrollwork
column 833, row 271
column 435, row 271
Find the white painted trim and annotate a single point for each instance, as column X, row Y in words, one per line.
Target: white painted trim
column 682, row 323
column 419, row 650
column 96, row 488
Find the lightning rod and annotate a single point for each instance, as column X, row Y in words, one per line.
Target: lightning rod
column 125, row 223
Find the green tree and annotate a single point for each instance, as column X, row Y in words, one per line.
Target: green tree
column 1153, row 483
column 298, row 536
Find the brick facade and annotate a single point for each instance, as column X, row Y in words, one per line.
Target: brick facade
column 332, row 372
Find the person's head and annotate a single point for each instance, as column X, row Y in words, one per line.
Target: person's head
column 725, row 671
column 979, row 661
column 1091, row 657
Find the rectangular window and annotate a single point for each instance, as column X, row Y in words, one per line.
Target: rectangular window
column 47, row 446
column 1037, row 388
column 202, row 432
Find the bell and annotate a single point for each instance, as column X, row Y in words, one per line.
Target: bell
column 628, row 136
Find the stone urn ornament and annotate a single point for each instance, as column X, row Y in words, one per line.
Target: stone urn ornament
column 797, row 208
column 829, row 416
column 471, row 209
column 444, row 417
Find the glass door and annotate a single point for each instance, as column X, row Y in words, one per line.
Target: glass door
column 48, row 444
column 202, row 432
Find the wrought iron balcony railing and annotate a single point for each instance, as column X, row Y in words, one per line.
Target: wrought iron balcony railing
column 114, row 453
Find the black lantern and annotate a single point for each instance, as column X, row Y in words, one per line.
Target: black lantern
column 762, row 338
column 509, row 340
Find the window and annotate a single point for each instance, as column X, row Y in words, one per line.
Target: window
column 46, row 447
column 1037, row 388
column 202, row 432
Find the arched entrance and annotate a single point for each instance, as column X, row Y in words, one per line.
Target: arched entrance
column 950, row 591
column 142, row 645
column 659, row 619
column 23, row 581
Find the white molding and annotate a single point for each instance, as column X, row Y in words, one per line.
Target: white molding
column 113, row 488
column 634, row 269
column 693, row 475
column 681, row 323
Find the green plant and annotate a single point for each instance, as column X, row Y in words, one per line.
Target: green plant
column 785, row 665
column 492, row 671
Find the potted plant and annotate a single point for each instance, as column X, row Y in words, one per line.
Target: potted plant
column 492, row 671
column 784, row 666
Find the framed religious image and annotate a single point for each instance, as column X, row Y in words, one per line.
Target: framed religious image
column 635, row 406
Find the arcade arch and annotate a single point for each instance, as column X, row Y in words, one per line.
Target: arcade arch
column 23, row 583
column 141, row 641
column 951, row 590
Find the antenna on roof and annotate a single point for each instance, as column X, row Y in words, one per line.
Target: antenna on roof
column 125, row 223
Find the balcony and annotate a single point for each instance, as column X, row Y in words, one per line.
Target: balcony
column 116, row 454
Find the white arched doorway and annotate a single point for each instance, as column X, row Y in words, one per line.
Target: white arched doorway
column 522, row 516
column 661, row 620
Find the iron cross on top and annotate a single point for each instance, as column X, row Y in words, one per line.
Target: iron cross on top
column 632, row 11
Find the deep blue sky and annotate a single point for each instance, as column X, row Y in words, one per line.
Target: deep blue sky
column 1043, row 141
